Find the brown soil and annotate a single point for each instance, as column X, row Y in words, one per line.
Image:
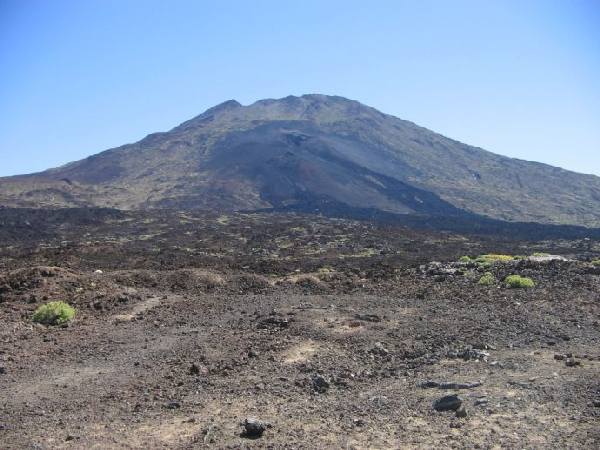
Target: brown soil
column 326, row 329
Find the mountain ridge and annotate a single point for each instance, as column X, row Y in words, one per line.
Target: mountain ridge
column 279, row 152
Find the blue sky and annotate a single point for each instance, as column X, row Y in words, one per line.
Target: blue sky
column 519, row 78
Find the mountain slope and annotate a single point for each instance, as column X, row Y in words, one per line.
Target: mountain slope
column 311, row 150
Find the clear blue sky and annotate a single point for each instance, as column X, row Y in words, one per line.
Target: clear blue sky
column 520, row 78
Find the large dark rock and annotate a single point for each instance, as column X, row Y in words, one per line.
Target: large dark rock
column 254, row 428
column 447, row 403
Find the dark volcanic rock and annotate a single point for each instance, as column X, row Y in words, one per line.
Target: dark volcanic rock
column 447, row 403
column 274, row 322
column 254, row 428
column 368, row 317
column 320, row 384
column 449, row 385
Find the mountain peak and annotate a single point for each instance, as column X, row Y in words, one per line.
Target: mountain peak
column 225, row 106
column 311, row 151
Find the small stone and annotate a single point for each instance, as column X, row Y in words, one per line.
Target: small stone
column 379, row 349
column 450, row 385
column 481, row 401
column 320, row 384
column 368, row 317
column 358, row 422
column 254, row 428
column 379, row 400
column 209, row 434
column 273, row 322
column 559, row 357
column 472, row 385
column 173, row 405
column 461, row 412
column 570, row 362
column 447, row 403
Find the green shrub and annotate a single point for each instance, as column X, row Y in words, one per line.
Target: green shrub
column 493, row 258
column 540, row 254
column 465, row 259
column 596, row 262
column 517, row 281
column 488, row 279
column 54, row 313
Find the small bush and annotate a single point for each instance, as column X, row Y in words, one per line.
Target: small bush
column 517, row 282
column 596, row 262
column 540, row 254
column 465, row 259
column 54, row 313
column 493, row 258
column 488, row 279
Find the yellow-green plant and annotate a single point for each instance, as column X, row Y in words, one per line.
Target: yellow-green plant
column 517, row 282
column 488, row 279
column 596, row 262
column 494, row 258
column 465, row 259
column 54, row 313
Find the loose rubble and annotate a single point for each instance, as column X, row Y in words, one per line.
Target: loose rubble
column 342, row 333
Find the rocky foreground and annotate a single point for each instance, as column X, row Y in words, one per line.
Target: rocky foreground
column 258, row 331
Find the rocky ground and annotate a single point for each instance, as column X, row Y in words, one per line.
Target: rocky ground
column 283, row 331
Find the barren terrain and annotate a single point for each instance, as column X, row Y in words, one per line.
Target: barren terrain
column 337, row 333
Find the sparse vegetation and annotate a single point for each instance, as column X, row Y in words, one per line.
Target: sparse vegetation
column 465, row 259
column 488, row 279
column 494, row 258
column 596, row 262
column 236, row 296
column 540, row 254
column 54, row 313
column 519, row 282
